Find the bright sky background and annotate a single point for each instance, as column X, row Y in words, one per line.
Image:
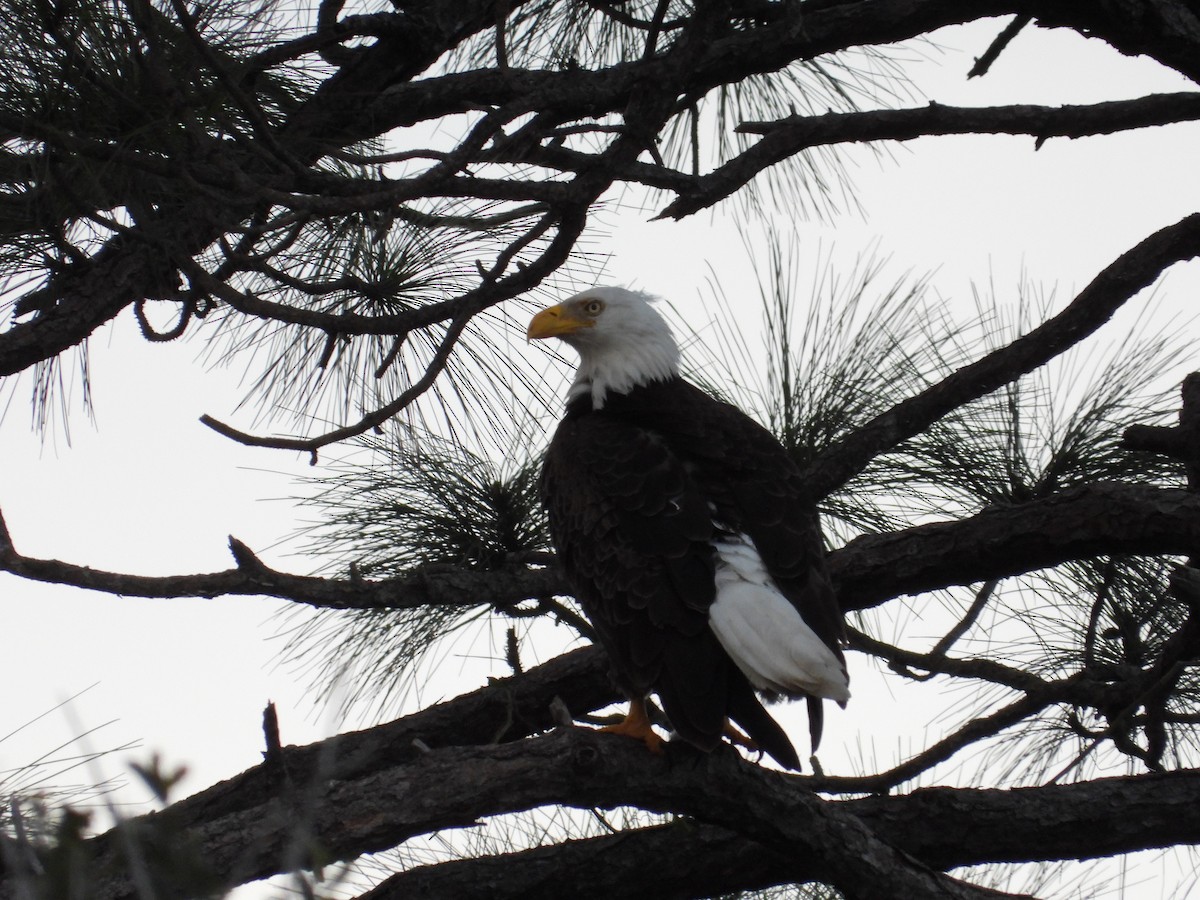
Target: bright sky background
column 151, row 491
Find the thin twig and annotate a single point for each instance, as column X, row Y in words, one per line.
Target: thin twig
column 984, row 63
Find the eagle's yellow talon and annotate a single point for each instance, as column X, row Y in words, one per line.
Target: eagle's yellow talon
column 636, row 724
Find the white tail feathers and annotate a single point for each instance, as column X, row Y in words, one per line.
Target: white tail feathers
column 764, row 633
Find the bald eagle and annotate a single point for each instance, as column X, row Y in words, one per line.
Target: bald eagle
column 685, row 531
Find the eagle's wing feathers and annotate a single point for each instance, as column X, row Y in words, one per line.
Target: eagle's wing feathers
column 636, row 535
column 757, row 489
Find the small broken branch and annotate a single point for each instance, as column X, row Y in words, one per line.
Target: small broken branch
column 1003, row 39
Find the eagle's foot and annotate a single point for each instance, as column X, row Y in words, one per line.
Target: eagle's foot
column 636, row 724
column 740, row 740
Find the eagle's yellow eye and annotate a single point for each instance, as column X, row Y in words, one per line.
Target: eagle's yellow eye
column 594, row 307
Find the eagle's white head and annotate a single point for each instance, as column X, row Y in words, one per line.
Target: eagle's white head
column 621, row 340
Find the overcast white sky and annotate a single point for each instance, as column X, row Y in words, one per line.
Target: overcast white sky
column 151, row 491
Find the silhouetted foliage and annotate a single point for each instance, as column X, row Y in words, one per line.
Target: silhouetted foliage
column 354, row 202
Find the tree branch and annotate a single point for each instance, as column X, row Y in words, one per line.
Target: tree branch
column 373, row 419
column 428, row 586
column 689, row 859
column 368, row 96
column 570, row 227
column 784, row 138
column 86, row 295
column 1120, row 281
column 1168, row 32
column 984, row 63
column 506, row 709
column 1080, row 523
column 846, row 843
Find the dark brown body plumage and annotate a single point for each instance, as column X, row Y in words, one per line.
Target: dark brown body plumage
column 636, row 493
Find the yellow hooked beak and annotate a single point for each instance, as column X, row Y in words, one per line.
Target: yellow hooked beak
column 556, row 321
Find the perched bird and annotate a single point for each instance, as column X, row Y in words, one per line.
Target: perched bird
column 685, row 531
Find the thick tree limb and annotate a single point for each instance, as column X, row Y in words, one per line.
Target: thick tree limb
column 506, row 709
column 1079, row 523
column 854, row 844
column 682, row 859
column 787, row 137
column 1180, row 442
column 688, row 859
column 789, row 32
column 1165, row 30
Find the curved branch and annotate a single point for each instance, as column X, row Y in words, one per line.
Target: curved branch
column 784, row 138
column 571, row 225
column 371, row 420
column 89, row 293
column 1080, row 689
column 941, row 751
column 1119, row 282
column 686, row 858
column 866, row 847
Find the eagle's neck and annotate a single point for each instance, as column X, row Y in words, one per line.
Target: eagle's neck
column 618, row 370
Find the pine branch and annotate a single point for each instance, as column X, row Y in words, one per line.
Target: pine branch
column 223, row 185
column 857, row 845
column 690, row 859
column 784, row 138
column 352, row 106
column 1080, row 523
column 434, row 585
column 1115, row 285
